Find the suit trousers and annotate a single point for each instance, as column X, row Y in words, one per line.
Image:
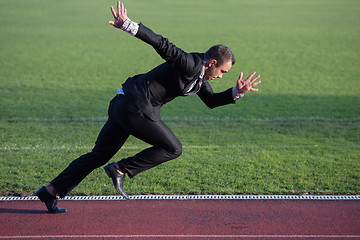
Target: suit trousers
column 122, row 123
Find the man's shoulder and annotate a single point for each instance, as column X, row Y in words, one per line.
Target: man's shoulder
column 197, row 63
column 198, row 55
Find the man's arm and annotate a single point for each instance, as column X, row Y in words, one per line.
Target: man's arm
column 175, row 56
column 213, row 100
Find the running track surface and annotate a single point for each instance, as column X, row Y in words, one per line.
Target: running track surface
column 182, row 219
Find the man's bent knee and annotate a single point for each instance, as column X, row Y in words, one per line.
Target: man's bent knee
column 176, row 151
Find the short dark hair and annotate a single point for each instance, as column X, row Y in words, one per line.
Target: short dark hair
column 221, row 54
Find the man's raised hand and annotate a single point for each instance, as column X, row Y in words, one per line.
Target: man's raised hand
column 247, row 85
column 120, row 16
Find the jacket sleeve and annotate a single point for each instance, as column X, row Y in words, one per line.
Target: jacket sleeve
column 212, row 99
column 185, row 63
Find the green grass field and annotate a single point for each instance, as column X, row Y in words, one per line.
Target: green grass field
column 61, row 64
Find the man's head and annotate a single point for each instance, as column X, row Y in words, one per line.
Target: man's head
column 218, row 60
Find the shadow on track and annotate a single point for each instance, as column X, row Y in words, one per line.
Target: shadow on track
column 22, row 211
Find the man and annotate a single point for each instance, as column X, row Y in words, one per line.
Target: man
column 135, row 110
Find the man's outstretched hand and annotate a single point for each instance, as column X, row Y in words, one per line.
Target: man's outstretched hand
column 247, row 85
column 120, row 16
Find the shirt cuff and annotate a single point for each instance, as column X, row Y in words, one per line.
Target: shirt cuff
column 130, row 27
column 120, row 91
column 236, row 94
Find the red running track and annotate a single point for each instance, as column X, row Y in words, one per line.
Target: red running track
column 182, row 219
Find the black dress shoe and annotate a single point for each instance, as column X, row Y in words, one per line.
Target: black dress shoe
column 49, row 200
column 117, row 178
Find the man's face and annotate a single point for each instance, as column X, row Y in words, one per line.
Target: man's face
column 213, row 71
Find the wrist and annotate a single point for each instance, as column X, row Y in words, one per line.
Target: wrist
column 236, row 93
column 130, row 27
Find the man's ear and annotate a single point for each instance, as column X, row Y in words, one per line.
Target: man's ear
column 212, row 62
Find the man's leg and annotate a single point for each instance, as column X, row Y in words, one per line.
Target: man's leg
column 166, row 146
column 109, row 141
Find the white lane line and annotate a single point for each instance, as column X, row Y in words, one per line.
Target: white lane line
column 197, row 197
column 34, row 148
column 182, row 118
column 178, row 236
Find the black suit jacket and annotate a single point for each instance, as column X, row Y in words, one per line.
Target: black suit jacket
column 148, row 92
